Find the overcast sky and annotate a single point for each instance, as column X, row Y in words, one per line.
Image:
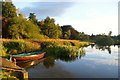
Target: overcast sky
column 89, row 16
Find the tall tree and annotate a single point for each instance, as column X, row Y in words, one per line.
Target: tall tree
column 110, row 33
column 50, row 29
column 32, row 17
column 8, row 12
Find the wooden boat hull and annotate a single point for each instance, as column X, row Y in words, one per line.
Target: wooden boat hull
column 30, row 63
column 32, row 57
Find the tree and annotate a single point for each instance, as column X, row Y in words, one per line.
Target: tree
column 104, row 40
column 59, row 31
column 32, row 17
column 92, row 37
column 49, row 28
column 8, row 12
column 69, row 32
column 22, row 28
column 83, row 36
column 118, row 39
column 110, row 33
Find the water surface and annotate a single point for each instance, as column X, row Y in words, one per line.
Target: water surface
column 95, row 63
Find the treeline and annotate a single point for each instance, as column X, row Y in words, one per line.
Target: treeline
column 103, row 39
column 16, row 26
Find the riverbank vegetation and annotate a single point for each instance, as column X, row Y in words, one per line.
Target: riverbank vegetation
column 10, row 46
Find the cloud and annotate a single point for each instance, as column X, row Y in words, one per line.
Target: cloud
column 112, row 62
column 43, row 9
column 102, row 24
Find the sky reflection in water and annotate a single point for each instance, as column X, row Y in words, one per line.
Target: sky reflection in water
column 95, row 64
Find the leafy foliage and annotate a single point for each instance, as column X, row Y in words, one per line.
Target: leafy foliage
column 70, row 33
column 50, row 29
column 83, row 36
column 118, row 37
column 21, row 28
column 32, row 18
column 104, row 40
column 8, row 10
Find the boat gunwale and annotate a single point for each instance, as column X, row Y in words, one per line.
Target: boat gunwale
column 27, row 55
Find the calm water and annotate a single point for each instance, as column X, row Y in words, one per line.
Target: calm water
column 94, row 63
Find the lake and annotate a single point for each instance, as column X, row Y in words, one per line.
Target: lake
column 94, row 63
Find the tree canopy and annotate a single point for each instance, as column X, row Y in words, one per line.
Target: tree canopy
column 104, row 40
column 32, row 18
column 21, row 28
column 49, row 28
column 8, row 12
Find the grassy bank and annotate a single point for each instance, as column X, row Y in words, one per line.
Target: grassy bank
column 12, row 46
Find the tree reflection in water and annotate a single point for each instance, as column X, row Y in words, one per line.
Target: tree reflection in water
column 49, row 62
column 103, row 48
column 50, row 59
column 118, row 46
column 82, row 52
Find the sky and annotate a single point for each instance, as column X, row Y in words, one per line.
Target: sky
column 89, row 16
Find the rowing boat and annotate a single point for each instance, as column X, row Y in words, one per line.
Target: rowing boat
column 28, row 56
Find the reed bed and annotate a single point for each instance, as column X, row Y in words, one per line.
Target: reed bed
column 16, row 46
column 40, row 40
